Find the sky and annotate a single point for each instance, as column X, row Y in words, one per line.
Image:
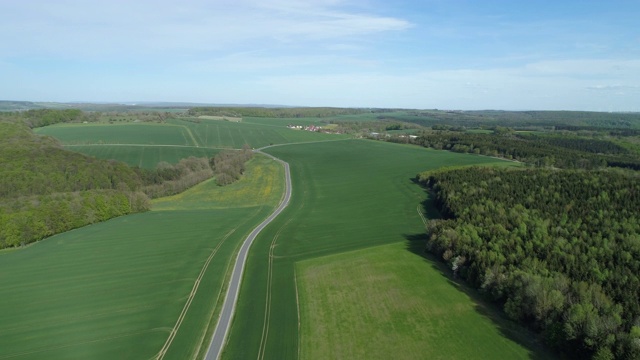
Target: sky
column 420, row 54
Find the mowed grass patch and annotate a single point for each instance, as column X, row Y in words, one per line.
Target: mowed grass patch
column 385, row 302
column 131, row 133
column 347, row 195
column 262, row 183
column 144, row 156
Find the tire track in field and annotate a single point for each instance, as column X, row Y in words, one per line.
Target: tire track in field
column 227, row 271
column 424, row 220
column 267, row 314
column 195, row 142
column 295, row 280
column 267, row 305
column 176, row 327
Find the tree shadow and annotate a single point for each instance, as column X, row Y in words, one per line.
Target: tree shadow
column 416, row 243
column 428, row 206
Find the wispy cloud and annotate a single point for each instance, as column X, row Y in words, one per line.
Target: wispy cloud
column 118, row 28
column 620, row 89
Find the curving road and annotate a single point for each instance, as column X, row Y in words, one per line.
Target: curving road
column 224, row 322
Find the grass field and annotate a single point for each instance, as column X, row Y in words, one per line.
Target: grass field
column 385, row 302
column 124, row 289
column 348, row 195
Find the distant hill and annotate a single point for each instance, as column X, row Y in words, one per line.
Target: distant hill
column 9, row 105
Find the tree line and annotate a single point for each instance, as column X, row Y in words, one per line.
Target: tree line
column 228, row 166
column 558, row 250
column 526, row 119
column 317, row 112
column 43, row 117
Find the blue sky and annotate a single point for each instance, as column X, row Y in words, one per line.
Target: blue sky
column 445, row 54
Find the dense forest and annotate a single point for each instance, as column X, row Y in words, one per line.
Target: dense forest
column 559, row 250
column 525, row 119
column 561, row 151
column 45, row 189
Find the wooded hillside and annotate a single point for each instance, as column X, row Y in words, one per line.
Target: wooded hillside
column 45, row 189
column 558, row 249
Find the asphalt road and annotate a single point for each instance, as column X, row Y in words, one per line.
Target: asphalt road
column 228, row 308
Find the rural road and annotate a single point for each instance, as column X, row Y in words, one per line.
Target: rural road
column 224, row 322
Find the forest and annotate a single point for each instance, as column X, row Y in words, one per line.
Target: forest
column 559, row 250
column 45, row 189
column 551, row 150
column 523, row 120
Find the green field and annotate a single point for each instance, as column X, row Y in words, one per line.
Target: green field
column 119, row 289
column 125, row 288
column 227, row 134
column 146, row 144
column 348, row 195
column 371, row 304
column 131, row 133
column 144, row 156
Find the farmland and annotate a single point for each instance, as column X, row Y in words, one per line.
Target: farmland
column 144, row 156
column 130, row 133
column 226, row 134
column 117, row 289
column 348, row 195
column 129, row 283
column 146, row 144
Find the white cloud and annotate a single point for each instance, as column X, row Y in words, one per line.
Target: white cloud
column 81, row 28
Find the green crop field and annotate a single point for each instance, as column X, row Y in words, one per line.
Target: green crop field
column 385, row 302
column 227, row 134
column 126, row 288
column 348, row 195
column 132, row 133
column 146, row 144
column 144, row 156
